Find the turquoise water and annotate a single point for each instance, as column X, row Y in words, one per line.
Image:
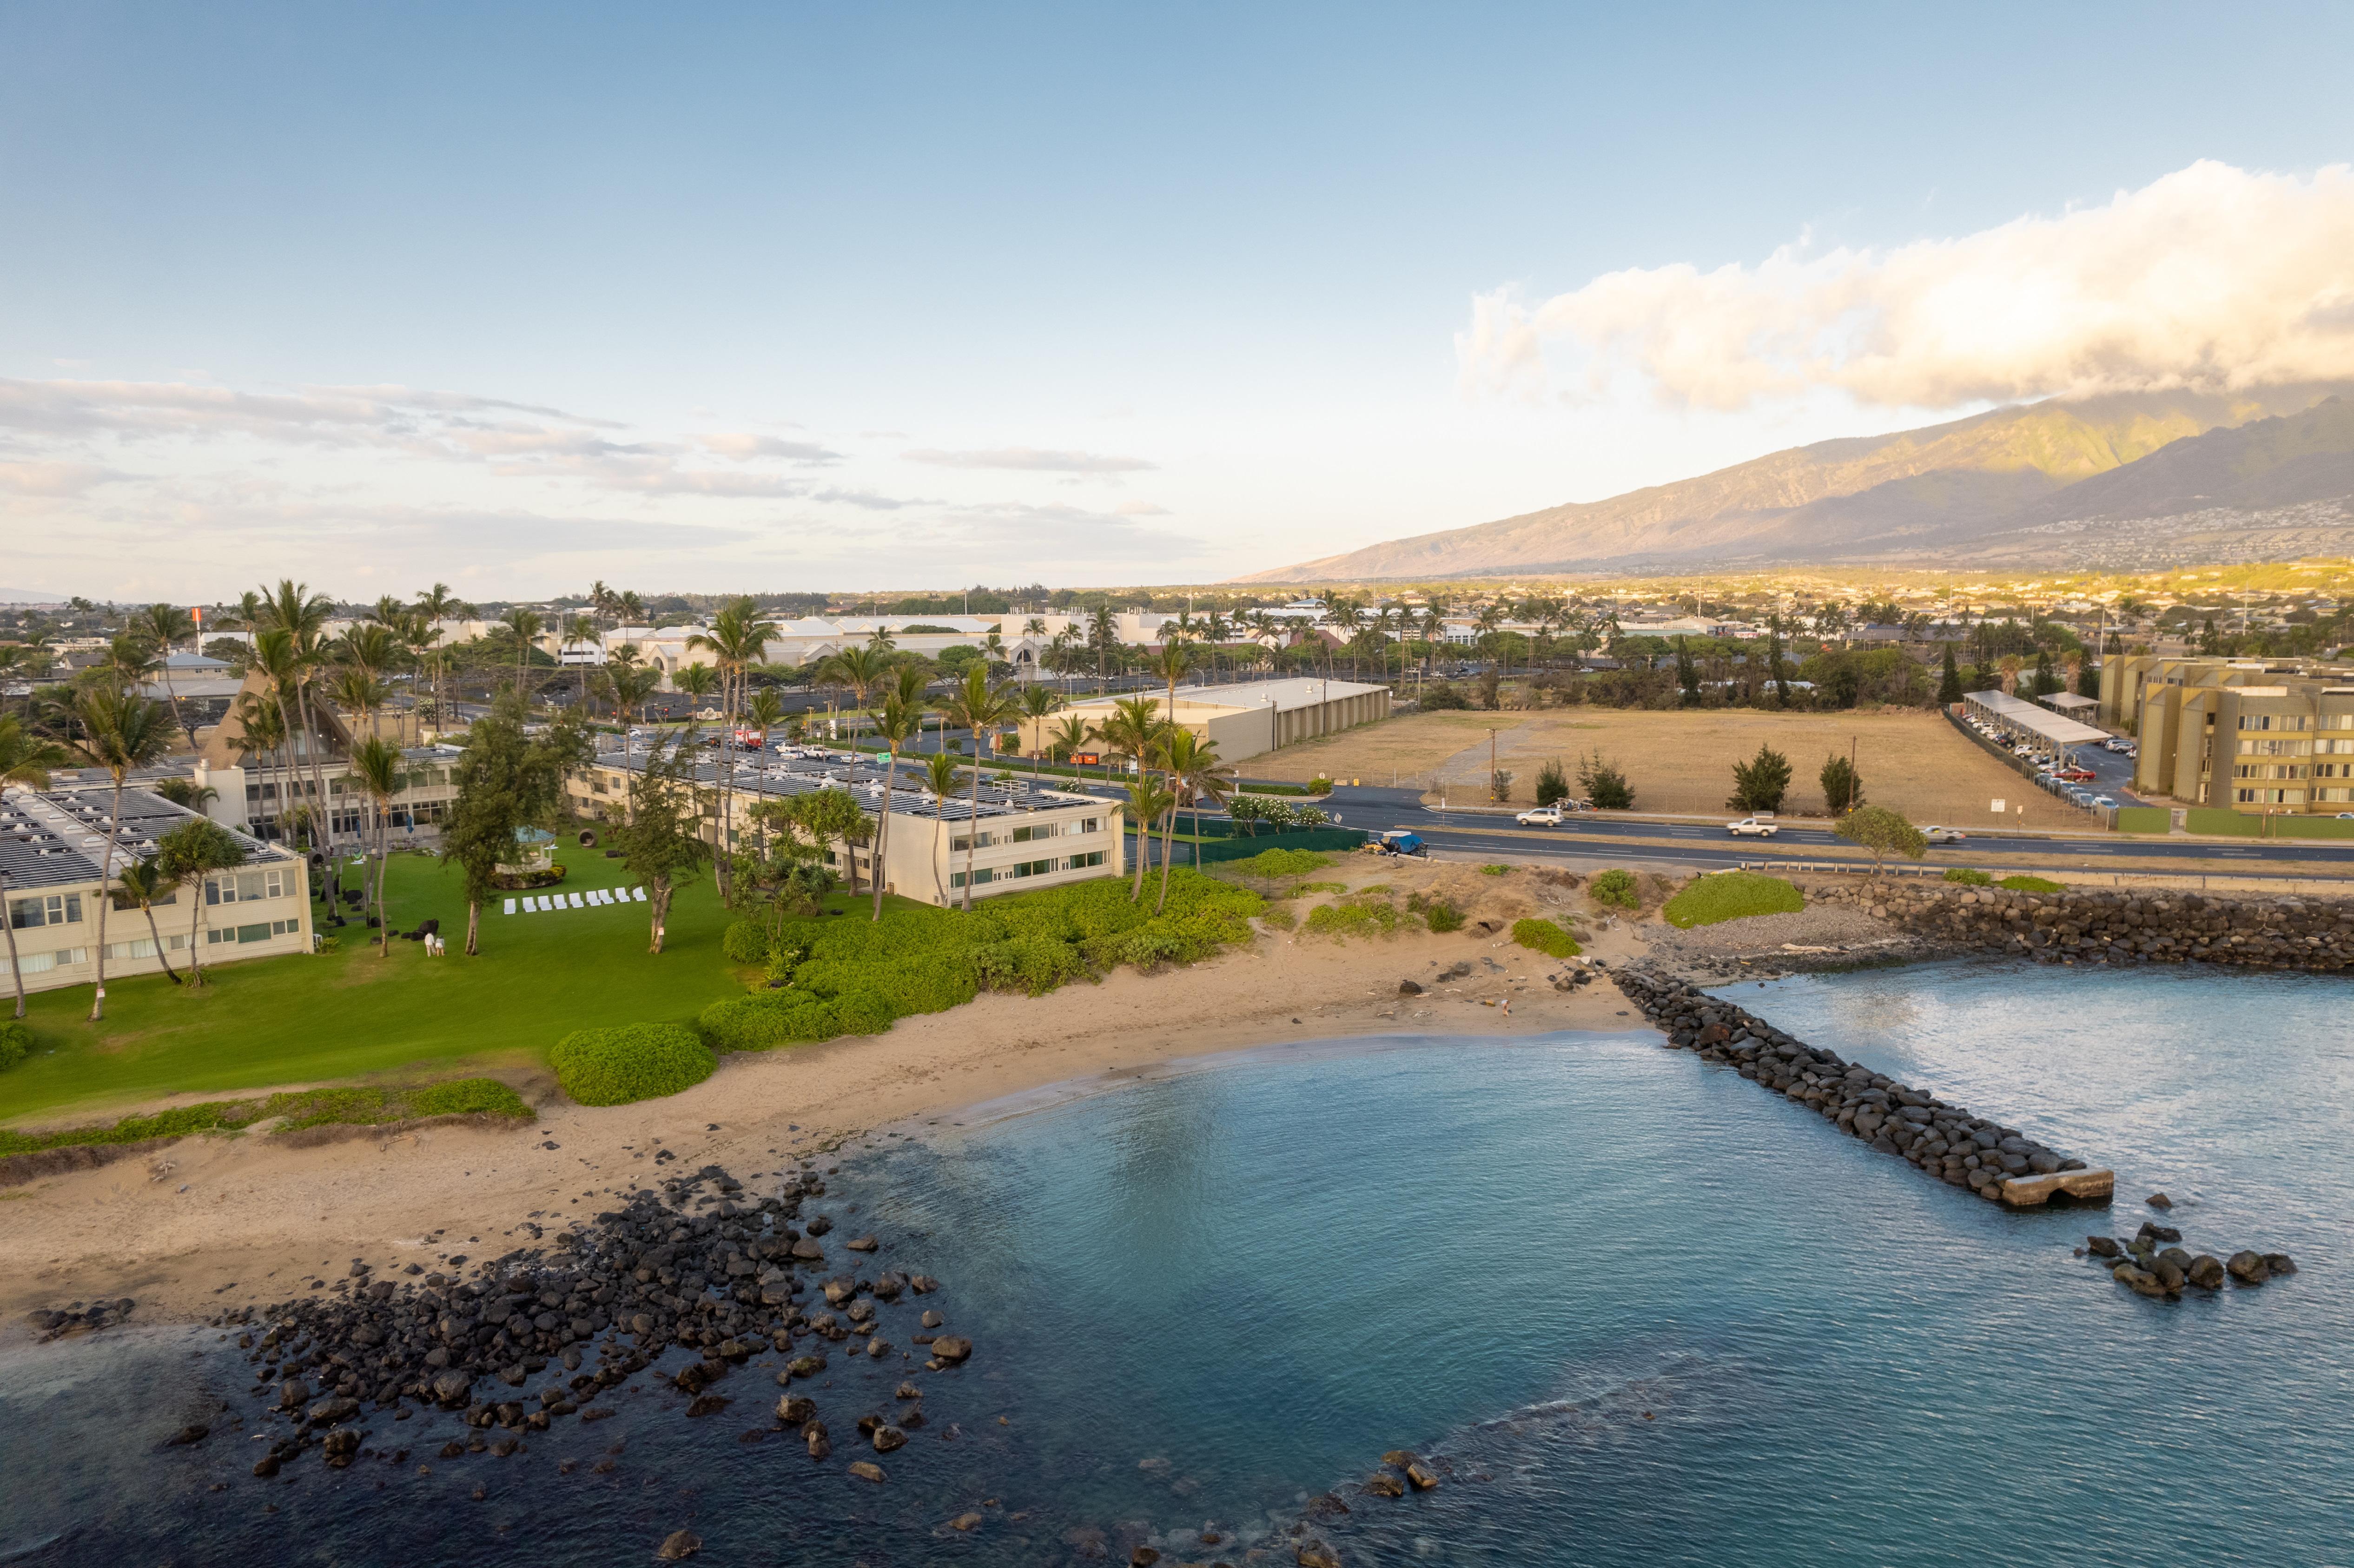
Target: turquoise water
column 1638, row 1309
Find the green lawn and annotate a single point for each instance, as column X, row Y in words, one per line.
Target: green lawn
column 1731, row 896
column 350, row 1013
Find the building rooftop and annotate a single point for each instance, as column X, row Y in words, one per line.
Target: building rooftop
column 786, row 776
column 52, row 839
column 1298, row 691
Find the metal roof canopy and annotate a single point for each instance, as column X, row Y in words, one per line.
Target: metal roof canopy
column 2017, row 713
column 2061, row 702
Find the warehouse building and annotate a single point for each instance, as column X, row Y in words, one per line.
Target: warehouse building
column 1244, row 719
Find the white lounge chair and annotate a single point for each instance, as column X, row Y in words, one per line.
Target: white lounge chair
column 639, row 894
column 511, row 906
column 530, row 905
column 575, row 899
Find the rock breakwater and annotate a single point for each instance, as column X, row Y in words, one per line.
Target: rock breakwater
column 2116, row 925
column 1942, row 1139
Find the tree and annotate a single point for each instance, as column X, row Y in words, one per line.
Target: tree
column 897, row 721
column 1759, row 784
column 827, row 815
column 1883, row 831
column 661, row 842
column 525, row 626
column 166, row 625
column 145, row 882
column 630, row 685
column 942, row 777
column 1605, row 784
column 1687, row 672
column 2046, row 680
column 2088, row 679
column 292, row 609
column 1842, row 784
column 376, row 764
column 1070, row 736
column 188, row 852
column 434, row 606
column 1553, row 785
column 1773, row 664
column 1147, row 800
column 699, row 682
column 976, row 706
column 1194, row 774
column 1949, row 684
column 1103, row 636
column 1036, row 703
column 506, row 781
column 121, row 732
column 737, row 638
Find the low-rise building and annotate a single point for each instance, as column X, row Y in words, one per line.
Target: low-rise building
column 1020, row 835
column 52, row 847
column 2245, row 735
column 1242, row 719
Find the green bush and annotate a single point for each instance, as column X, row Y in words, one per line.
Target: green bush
column 1967, row 878
column 1277, row 862
column 1276, row 917
column 15, row 1042
column 746, row 942
column 1495, row 871
column 1545, row 938
column 1342, row 921
column 636, row 1062
column 1616, row 888
column 1443, row 916
column 2031, row 885
column 1731, row 896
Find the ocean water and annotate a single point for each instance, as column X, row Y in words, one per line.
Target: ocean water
column 1634, row 1308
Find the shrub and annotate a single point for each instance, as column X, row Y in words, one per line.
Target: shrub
column 1276, row 917
column 746, row 942
column 1731, row 896
column 1320, row 785
column 1500, row 785
column 1615, row 887
column 298, row 1109
column 1759, row 784
column 2031, row 885
column 1545, row 938
column 1277, row 863
column 1495, row 870
column 636, row 1062
column 1552, row 785
column 468, row 1097
column 1605, row 784
column 1443, row 916
column 1967, row 878
column 1342, row 921
column 15, row 1042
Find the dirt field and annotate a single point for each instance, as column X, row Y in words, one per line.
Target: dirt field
column 1683, row 762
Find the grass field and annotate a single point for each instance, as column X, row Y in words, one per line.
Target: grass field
column 1912, row 762
column 351, row 1014
column 1731, row 896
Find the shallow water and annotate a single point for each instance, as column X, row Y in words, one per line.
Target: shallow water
column 1644, row 1311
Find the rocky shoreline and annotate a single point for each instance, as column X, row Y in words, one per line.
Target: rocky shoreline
column 2114, row 925
column 698, row 1263
column 1942, row 1140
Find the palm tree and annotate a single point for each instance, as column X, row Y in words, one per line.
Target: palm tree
column 274, row 656
column 525, row 625
column 295, row 609
column 25, row 759
column 630, row 609
column 1345, row 616
column 434, row 606
column 1193, row 772
column 190, row 853
column 1036, row 702
column 697, row 680
column 1071, row 737
column 376, row 764
column 1216, row 631
column 630, row 685
column 165, row 625
column 941, row 777
column 1147, row 801
column 1103, row 634
column 119, row 732
column 1176, row 660
column 736, row 639
column 860, row 668
column 898, row 719
column 130, row 660
column 1134, row 730
column 145, row 882
column 974, row 704
column 577, row 629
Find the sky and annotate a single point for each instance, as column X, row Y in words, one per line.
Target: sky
column 804, row 298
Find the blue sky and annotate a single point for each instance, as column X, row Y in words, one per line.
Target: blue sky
column 780, row 298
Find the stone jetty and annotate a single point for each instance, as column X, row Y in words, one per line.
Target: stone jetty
column 1998, row 1162
column 2113, row 925
column 535, row 1337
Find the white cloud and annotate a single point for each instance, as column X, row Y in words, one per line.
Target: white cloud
column 2211, row 277
column 52, row 478
column 744, row 446
column 1139, row 509
column 1031, row 459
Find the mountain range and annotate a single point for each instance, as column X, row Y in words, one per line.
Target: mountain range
column 2123, row 481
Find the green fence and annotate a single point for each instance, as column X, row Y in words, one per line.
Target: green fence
column 1329, row 840
column 2144, row 819
column 2312, row 828
column 2216, row 821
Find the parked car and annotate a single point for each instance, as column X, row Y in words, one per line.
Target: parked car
column 1752, row 828
column 2103, row 803
column 2075, row 775
column 1944, row 835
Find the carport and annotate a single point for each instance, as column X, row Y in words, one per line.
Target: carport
column 2017, row 716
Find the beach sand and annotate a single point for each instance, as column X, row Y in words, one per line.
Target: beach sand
column 240, row 1220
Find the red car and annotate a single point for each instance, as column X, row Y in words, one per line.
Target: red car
column 2076, row 775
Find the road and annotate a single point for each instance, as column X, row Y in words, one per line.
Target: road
column 1586, row 837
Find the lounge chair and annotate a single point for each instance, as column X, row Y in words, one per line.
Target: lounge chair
column 575, row 899
column 511, row 906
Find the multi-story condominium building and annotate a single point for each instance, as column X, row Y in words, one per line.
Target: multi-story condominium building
column 2245, row 735
column 1019, row 836
column 256, row 790
column 52, row 845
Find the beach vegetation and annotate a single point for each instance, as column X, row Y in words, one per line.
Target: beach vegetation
column 1280, row 863
column 363, row 1106
column 1968, row 876
column 1276, row 917
column 1442, row 917
column 1731, row 896
column 635, row 1061
column 1353, row 917
column 1544, row 937
column 2031, row 885
column 1614, row 888
column 15, row 1042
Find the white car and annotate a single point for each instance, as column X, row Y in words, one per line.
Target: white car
column 1751, row 828
column 1540, row 817
column 1944, row 835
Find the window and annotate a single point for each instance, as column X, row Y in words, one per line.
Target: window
column 1090, row 824
column 44, row 909
column 246, row 886
column 975, row 841
column 1081, row 861
column 981, row 878
column 258, row 932
column 123, row 901
column 1029, row 868
column 144, row 947
column 41, row 963
column 1041, row 830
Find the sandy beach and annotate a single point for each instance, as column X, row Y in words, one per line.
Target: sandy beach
column 212, row 1222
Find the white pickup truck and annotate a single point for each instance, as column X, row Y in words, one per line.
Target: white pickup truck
column 1753, row 828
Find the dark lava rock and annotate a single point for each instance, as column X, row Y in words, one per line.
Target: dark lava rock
column 188, row 1436
column 793, row 1410
column 2158, row 1201
column 2104, row 1246
column 862, row 1243
column 340, row 1447
column 923, row 1284
column 1422, row 1480
column 805, row 1366
column 951, row 1349
column 887, row 1438
column 708, row 1405
column 2280, row 1263
column 2206, row 1272
column 2141, row 1281
column 1143, row 1557
column 866, row 1471
column 1382, row 1484
column 1316, row 1554
column 266, row 1466
column 933, row 1320
column 814, row 1435
column 678, row 1546
column 1408, row 988
column 2156, row 1233
column 2248, row 1267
